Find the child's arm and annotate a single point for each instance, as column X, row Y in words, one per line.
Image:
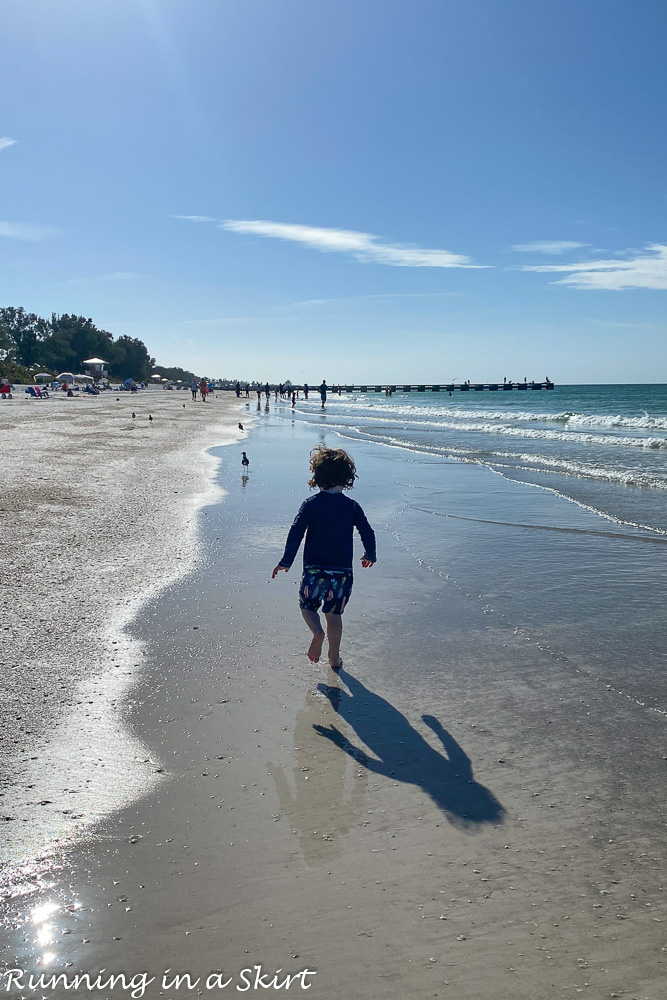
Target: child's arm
column 296, row 533
column 367, row 537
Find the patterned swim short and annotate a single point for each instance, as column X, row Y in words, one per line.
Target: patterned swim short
column 331, row 586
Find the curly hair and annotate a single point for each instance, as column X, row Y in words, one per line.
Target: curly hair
column 331, row 467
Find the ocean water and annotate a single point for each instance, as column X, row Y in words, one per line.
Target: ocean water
column 548, row 507
column 582, row 441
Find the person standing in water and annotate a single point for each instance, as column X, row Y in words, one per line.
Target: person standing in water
column 323, row 392
column 328, row 521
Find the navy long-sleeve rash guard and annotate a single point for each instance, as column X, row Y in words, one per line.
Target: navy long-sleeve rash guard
column 328, row 521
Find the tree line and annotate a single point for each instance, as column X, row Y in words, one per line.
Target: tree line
column 63, row 343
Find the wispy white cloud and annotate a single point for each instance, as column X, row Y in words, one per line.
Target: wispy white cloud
column 639, row 269
column 548, row 246
column 94, row 278
column 362, row 246
column 5, row 141
column 195, row 218
column 379, row 295
column 27, row 231
column 221, row 321
column 621, row 324
column 239, row 320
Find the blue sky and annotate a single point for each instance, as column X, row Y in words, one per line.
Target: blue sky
column 357, row 190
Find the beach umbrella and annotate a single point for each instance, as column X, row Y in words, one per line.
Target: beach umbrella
column 43, row 375
column 156, row 375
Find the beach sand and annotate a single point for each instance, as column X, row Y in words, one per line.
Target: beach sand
column 457, row 814
column 99, row 513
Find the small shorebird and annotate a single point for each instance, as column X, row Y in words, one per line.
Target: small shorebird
column 149, row 417
column 240, row 427
column 133, row 415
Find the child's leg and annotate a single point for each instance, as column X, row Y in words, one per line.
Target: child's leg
column 334, row 635
column 312, row 620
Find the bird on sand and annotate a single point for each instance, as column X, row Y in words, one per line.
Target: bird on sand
column 240, row 427
column 133, row 414
column 149, row 417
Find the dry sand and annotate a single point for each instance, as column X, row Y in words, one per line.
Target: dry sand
column 98, row 512
column 456, row 815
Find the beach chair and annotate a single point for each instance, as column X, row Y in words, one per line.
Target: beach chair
column 5, row 390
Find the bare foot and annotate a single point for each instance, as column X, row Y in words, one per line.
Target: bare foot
column 315, row 648
column 336, row 666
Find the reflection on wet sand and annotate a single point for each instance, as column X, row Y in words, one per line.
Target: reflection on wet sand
column 36, row 924
column 402, row 753
column 329, row 788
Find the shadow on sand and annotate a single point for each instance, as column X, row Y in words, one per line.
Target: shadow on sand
column 401, row 753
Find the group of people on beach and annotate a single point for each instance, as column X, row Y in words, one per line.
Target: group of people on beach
column 282, row 391
column 201, row 387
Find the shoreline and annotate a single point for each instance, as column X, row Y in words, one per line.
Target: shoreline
column 503, row 866
column 94, row 539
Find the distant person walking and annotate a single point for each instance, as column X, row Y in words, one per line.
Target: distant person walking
column 328, row 521
column 237, row 390
column 323, row 392
column 267, row 390
column 194, row 386
column 305, row 390
column 203, row 390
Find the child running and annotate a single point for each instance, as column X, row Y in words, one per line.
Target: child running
column 328, row 520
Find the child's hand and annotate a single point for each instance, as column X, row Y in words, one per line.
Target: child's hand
column 366, row 562
column 278, row 569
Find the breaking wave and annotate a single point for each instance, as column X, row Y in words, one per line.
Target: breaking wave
column 568, row 417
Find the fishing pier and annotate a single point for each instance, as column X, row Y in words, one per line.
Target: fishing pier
column 450, row 388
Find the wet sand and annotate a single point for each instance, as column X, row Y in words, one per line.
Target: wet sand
column 457, row 814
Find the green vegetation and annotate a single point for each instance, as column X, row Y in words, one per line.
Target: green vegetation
column 15, row 374
column 63, row 343
column 173, row 373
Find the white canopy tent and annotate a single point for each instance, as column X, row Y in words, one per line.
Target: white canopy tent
column 70, row 378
